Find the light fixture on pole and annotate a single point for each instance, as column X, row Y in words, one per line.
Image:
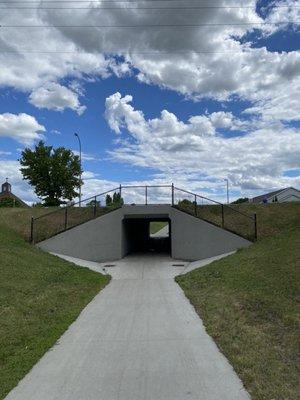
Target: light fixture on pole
column 79, row 141
column 227, row 187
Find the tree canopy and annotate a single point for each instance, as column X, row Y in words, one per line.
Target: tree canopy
column 115, row 201
column 241, row 200
column 54, row 173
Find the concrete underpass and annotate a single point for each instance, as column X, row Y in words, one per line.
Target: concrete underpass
column 138, row 237
column 126, row 231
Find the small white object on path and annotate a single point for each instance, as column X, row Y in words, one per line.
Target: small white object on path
column 139, row 339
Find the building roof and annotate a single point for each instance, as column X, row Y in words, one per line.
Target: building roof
column 259, row 199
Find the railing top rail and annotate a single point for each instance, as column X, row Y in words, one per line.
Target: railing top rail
column 143, row 186
column 75, row 204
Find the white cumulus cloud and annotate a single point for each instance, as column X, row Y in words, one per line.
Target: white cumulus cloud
column 22, row 127
column 197, row 149
column 54, row 96
column 198, row 61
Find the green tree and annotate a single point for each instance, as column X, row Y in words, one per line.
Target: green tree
column 117, row 199
column 241, row 200
column 108, row 200
column 54, row 173
column 94, row 203
column 185, row 203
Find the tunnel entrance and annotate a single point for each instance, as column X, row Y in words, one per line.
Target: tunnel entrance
column 147, row 235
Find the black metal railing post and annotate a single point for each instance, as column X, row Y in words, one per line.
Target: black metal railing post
column 32, row 231
column 172, row 194
column 255, row 226
column 146, row 195
column 120, row 190
column 66, row 218
column 95, row 206
column 195, row 204
column 223, row 217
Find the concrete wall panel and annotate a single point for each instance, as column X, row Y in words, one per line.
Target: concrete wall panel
column 194, row 239
column 96, row 240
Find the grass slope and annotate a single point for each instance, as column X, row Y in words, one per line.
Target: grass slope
column 40, row 296
column 249, row 303
column 156, row 226
column 271, row 218
column 19, row 219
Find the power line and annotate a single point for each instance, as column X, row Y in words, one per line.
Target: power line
column 106, row 1
column 42, row 7
column 152, row 25
column 103, row 2
column 117, row 51
column 129, row 52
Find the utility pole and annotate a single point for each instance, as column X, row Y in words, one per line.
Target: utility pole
column 79, row 141
column 227, row 187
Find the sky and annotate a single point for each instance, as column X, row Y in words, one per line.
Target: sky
column 185, row 91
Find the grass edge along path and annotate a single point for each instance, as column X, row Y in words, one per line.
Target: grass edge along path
column 249, row 304
column 40, row 297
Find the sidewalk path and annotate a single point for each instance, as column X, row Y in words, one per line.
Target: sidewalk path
column 139, row 339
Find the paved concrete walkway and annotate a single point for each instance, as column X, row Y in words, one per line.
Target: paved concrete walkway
column 139, row 339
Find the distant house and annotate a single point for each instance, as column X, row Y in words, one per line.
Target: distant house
column 8, row 199
column 281, row 196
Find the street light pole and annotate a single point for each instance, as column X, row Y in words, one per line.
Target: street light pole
column 79, row 141
column 227, row 187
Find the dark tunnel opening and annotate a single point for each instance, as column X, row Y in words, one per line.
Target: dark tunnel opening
column 147, row 235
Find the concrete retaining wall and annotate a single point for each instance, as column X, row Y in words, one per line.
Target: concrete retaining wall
column 105, row 238
column 100, row 239
column 194, row 239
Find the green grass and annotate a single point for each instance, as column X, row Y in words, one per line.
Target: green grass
column 40, row 296
column 19, row 219
column 271, row 218
column 249, row 303
column 156, row 226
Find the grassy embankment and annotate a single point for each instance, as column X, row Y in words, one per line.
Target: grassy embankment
column 271, row 218
column 249, row 303
column 40, row 296
column 19, row 219
column 156, row 226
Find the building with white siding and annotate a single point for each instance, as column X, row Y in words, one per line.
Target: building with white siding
column 281, row 196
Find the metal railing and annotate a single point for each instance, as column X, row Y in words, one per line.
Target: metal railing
column 69, row 216
column 226, row 216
